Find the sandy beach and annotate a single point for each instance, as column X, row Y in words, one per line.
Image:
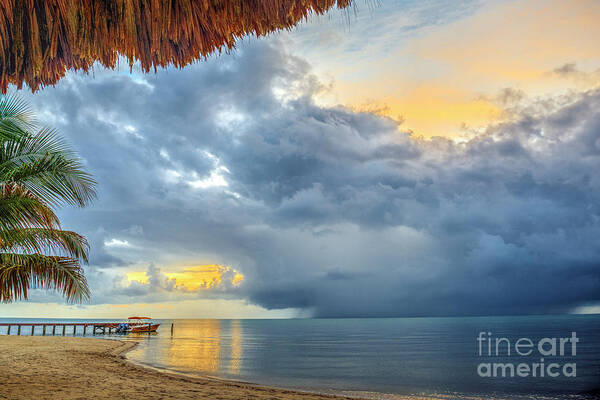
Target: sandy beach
column 86, row 368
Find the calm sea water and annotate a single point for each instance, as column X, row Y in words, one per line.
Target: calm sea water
column 404, row 356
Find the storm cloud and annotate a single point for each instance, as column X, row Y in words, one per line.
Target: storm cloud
column 234, row 162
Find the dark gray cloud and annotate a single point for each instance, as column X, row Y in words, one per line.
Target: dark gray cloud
column 327, row 209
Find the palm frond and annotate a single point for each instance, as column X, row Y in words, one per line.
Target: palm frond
column 16, row 117
column 46, row 165
column 37, row 171
column 20, row 208
column 47, row 241
column 20, row 272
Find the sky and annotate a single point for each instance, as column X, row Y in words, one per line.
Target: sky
column 402, row 158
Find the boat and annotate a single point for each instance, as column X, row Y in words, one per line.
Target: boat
column 141, row 324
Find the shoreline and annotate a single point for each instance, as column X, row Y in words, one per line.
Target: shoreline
column 47, row 367
column 77, row 368
column 330, row 393
column 334, row 394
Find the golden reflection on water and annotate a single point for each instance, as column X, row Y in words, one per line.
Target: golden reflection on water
column 205, row 346
column 236, row 348
column 196, row 346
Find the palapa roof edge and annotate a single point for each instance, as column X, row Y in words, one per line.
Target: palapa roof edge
column 42, row 39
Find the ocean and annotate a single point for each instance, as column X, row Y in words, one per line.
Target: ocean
column 451, row 358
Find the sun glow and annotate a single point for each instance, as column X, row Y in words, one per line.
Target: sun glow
column 446, row 80
column 137, row 276
column 198, row 277
column 237, row 279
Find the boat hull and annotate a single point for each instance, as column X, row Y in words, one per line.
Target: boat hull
column 144, row 328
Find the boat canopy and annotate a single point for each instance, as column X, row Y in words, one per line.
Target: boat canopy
column 139, row 318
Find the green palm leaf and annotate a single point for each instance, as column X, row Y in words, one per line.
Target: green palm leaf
column 15, row 117
column 20, row 208
column 46, row 165
column 38, row 171
column 49, row 241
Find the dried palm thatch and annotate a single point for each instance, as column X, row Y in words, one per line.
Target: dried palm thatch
column 41, row 39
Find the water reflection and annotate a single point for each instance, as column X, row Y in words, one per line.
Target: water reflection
column 236, row 348
column 210, row 347
column 198, row 347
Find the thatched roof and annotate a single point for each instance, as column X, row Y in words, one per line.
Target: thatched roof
column 41, row 39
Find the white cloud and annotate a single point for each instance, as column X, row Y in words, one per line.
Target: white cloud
column 116, row 243
column 215, row 179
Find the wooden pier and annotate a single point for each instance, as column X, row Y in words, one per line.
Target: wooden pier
column 101, row 328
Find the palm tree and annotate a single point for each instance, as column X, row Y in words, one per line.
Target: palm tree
column 38, row 172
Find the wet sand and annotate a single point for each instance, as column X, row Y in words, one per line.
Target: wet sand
column 33, row 367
